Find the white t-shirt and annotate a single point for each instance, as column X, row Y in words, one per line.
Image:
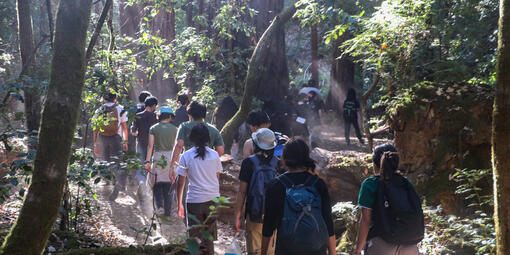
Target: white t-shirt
column 203, row 181
column 121, row 117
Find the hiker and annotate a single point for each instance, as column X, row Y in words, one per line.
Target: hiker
column 386, row 199
column 283, row 116
column 201, row 165
column 300, row 125
column 161, row 141
column 140, row 129
column 256, row 120
column 351, row 107
column 181, row 115
column 224, row 112
column 140, row 107
column 256, row 171
column 111, row 139
column 300, row 207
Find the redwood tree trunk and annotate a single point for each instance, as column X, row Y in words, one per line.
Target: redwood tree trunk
column 37, row 216
column 341, row 77
column 501, row 134
column 256, row 72
column 275, row 84
column 314, row 43
column 27, row 49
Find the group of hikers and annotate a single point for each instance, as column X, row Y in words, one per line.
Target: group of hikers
column 282, row 204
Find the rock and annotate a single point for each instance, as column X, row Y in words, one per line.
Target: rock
column 229, row 186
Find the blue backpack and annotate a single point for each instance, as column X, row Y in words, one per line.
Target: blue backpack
column 262, row 174
column 302, row 229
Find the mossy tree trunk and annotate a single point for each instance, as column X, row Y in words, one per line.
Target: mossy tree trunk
column 501, row 134
column 32, row 228
column 32, row 99
column 256, row 71
column 314, row 45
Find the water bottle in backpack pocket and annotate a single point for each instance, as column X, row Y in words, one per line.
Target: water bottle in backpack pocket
column 262, row 174
column 302, row 228
column 398, row 212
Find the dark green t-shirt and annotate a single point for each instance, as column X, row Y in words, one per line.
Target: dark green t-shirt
column 164, row 136
column 185, row 130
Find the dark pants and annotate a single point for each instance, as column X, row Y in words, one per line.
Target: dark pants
column 201, row 211
column 163, row 195
column 347, row 128
column 110, row 150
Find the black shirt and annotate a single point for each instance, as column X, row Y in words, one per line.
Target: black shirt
column 181, row 115
column 275, row 198
column 143, row 122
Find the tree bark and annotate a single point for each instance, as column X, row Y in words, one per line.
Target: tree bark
column 93, row 39
column 37, row 216
column 50, row 20
column 256, row 72
column 315, row 53
column 27, row 48
column 501, row 134
column 274, row 85
column 341, row 77
column 364, row 111
column 189, row 13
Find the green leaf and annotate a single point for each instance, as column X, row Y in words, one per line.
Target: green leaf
column 192, row 246
column 193, row 218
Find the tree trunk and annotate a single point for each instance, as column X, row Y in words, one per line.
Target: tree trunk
column 27, row 49
column 315, row 53
column 501, row 134
column 364, row 111
column 189, row 13
column 275, row 84
column 37, row 216
column 256, row 72
column 341, row 77
column 93, row 39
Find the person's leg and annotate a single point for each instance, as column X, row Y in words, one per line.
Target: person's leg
column 358, row 132
column 211, row 226
column 253, row 237
column 377, row 246
column 157, row 192
column 167, row 198
column 115, row 150
column 143, row 156
column 408, row 250
column 347, row 130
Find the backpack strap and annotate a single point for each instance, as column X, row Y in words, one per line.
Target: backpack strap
column 311, row 180
column 285, row 181
column 256, row 162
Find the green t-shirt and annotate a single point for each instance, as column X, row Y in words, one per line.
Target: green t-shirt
column 185, row 130
column 164, row 136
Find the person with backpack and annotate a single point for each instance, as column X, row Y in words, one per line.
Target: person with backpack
column 140, row 107
column 201, row 165
column 391, row 220
column 256, row 171
column 140, row 129
column 298, row 206
column 110, row 139
column 351, row 107
column 161, row 141
column 181, row 114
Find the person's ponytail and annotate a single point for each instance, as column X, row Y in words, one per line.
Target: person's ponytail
column 389, row 164
column 199, row 136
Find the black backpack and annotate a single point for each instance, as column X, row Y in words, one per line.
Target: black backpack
column 398, row 212
column 350, row 110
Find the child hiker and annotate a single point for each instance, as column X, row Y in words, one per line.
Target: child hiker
column 161, row 141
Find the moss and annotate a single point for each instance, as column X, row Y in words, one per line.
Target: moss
column 141, row 250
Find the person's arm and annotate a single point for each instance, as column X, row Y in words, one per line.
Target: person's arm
column 247, row 148
column 134, row 128
column 332, row 245
column 180, row 190
column 240, row 200
column 179, row 145
column 364, row 227
column 125, row 136
column 150, row 146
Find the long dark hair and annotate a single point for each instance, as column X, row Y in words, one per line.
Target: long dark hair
column 267, row 155
column 351, row 95
column 199, row 136
column 386, row 158
column 296, row 154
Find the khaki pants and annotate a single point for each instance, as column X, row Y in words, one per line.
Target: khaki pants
column 254, row 239
column 377, row 246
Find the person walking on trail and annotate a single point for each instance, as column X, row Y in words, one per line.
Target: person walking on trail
column 111, row 138
column 300, row 208
column 140, row 129
column 351, row 107
column 256, row 171
column 256, row 120
column 391, row 215
column 181, row 114
column 201, row 165
column 140, row 107
column 161, row 141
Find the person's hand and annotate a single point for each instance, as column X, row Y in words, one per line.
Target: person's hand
column 172, row 176
column 148, row 167
column 180, row 211
column 134, row 133
column 238, row 224
column 125, row 146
